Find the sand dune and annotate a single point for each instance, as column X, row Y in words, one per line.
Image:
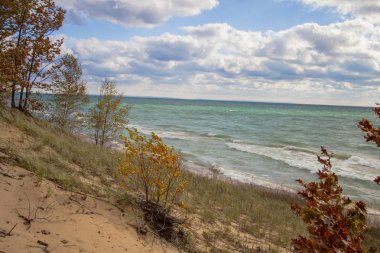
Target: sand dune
column 62, row 221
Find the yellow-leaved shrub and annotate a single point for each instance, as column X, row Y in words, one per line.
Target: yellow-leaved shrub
column 152, row 168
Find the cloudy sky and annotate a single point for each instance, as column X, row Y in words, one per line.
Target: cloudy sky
column 299, row 51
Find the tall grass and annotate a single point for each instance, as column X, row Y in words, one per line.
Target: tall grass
column 255, row 210
column 60, row 156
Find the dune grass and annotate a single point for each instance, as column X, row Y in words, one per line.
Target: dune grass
column 257, row 211
column 253, row 210
column 225, row 209
column 62, row 157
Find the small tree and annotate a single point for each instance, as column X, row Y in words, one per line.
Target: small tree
column 108, row 117
column 28, row 48
column 8, row 12
column 69, row 93
column 334, row 222
column 372, row 134
column 153, row 169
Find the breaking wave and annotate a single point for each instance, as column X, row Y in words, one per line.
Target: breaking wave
column 353, row 167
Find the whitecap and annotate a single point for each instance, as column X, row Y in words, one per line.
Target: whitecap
column 181, row 135
column 366, row 162
column 306, row 159
column 298, row 159
column 167, row 134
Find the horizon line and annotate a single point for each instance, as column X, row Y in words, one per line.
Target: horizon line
column 241, row 101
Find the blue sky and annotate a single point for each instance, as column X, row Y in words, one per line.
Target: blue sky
column 299, row 51
column 261, row 15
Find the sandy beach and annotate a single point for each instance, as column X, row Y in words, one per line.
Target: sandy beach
column 62, row 221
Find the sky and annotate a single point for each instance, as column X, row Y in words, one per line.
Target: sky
column 296, row 51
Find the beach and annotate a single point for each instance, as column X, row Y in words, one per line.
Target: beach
column 264, row 143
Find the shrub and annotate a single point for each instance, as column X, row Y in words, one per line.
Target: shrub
column 334, row 222
column 153, row 169
column 372, row 134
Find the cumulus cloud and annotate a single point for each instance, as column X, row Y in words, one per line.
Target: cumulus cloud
column 365, row 9
column 213, row 60
column 135, row 13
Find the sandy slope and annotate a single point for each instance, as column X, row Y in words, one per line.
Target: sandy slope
column 64, row 222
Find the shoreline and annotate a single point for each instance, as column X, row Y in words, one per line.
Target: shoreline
column 201, row 171
column 204, row 172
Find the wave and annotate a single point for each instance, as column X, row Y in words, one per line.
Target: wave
column 217, row 136
column 296, row 149
column 299, row 157
column 353, row 167
column 289, row 155
column 369, row 163
column 181, row 135
column 238, row 176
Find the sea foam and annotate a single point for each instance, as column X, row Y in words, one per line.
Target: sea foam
column 181, row 135
column 353, row 167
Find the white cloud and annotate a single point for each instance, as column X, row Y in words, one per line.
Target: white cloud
column 337, row 63
column 135, row 13
column 365, row 9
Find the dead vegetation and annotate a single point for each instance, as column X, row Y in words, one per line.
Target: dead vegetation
column 4, row 233
column 32, row 214
column 165, row 224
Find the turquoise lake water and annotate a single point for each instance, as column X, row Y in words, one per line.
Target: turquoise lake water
column 265, row 143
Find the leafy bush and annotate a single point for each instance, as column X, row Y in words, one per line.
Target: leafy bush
column 334, row 222
column 372, row 134
column 153, row 169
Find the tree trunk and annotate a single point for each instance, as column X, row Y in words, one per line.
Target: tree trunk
column 20, row 98
column 16, row 60
column 27, row 93
column 13, row 101
column 28, row 86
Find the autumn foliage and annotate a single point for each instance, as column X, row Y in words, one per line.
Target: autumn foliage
column 372, row 134
column 334, row 222
column 28, row 50
column 153, row 169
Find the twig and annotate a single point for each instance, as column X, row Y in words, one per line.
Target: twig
column 29, row 219
column 44, row 246
column 94, row 197
column 4, row 234
column 81, row 205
